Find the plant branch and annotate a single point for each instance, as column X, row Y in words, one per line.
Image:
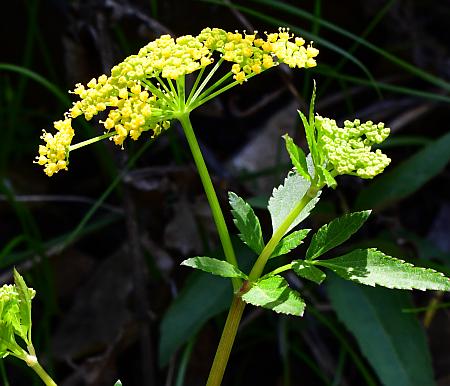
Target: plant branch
column 92, row 140
column 218, row 92
column 206, row 80
column 32, row 361
column 210, row 194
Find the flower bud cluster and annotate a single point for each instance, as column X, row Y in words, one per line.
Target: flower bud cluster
column 348, row 150
column 134, row 101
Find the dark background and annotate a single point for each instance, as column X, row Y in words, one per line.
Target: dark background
column 102, row 242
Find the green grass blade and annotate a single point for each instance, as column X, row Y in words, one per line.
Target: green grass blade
column 11, row 245
column 63, row 98
column 328, row 71
column 306, row 34
column 407, row 177
column 294, row 11
column 393, row 342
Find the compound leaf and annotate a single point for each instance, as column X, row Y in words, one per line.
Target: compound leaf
column 273, row 293
column 297, row 156
column 372, row 267
column 247, row 223
column 214, row 266
column 307, row 271
column 335, row 233
column 289, row 242
column 286, row 197
column 24, row 305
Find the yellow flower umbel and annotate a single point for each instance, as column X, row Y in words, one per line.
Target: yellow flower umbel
column 146, row 91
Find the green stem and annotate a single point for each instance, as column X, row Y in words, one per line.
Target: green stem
column 194, row 87
column 237, row 306
column 206, row 80
column 196, row 103
column 181, row 91
column 92, row 140
column 167, row 98
column 174, row 92
column 280, row 269
column 210, row 89
column 210, row 194
column 161, row 82
column 279, row 233
column 226, row 342
column 39, row 370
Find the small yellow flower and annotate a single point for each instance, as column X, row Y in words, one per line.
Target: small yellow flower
column 55, row 152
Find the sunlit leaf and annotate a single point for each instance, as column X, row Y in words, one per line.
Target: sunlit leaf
column 297, row 156
column 290, row 242
column 335, row 233
column 214, row 266
column 372, row 267
column 286, row 197
column 247, row 223
column 308, row 271
column 273, row 293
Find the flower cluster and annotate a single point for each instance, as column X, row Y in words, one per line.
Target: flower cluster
column 55, row 153
column 251, row 55
column 139, row 94
column 348, row 149
column 11, row 322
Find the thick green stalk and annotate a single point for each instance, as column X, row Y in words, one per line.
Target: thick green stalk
column 226, row 341
column 32, row 361
column 210, row 194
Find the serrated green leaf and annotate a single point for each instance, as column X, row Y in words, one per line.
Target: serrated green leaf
column 298, row 157
column 286, row 197
column 310, row 137
column 273, row 293
column 307, row 271
column 247, row 223
column 214, row 266
column 289, row 242
column 372, row 267
column 393, row 341
column 24, row 306
column 311, row 104
column 335, row 233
